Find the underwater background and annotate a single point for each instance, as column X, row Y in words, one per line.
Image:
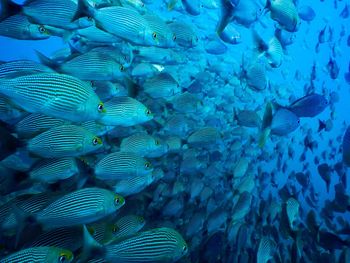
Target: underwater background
column 206, row 131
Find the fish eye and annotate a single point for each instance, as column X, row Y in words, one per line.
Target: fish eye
column 96, row 140
column 141, row 219
column 62, row 258
column 174, row 37
column 154, row 35
column 118, row 200
column 197, row 39
column 184, row 249
column 148, row 112
column 121, row 68
column 42, row 29
column 100, row 107
column 115, row 229
column 298, row 121
column 147, row 165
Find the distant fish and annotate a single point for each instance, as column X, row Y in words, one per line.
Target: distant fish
column 193, row 7
column 346, row 147
column 285, row 13
column 324, row 171
column 333, row 68
column 345, row 12
column 306, row 13
column 309, row 106
column 265, row 250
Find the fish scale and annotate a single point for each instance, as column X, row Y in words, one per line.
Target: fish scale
column 265, row 250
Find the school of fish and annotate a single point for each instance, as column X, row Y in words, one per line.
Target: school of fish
column 174, row 131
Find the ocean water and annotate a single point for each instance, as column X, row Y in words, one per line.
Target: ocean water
column 199, row 191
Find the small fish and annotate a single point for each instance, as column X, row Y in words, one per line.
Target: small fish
column 64, row 141
column 292, row 209
column 333, row 68
column 127, row 226
column 204, row 137
column 53, row 170
column 186, row 36
column 230, row 35
column 193, row 7
column 284, row 122
column 142, row 144
column 242, row 207
column 309, row 106
column 134, row 185
column 40, row 255
column 123, row 22
column 19, row 27
column 346, row 147
column 265, row 250
column 285, row 13
column 122, row 165
column 72, row 100
column 162, row 85
column 306, row 13
column 125, row 111
column 82, row 206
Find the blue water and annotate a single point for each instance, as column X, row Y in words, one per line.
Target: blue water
column 288, row 81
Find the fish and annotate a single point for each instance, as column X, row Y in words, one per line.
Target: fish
column 17, row 68
column 82, row 206
column 284, row 122
column 292, row 209
column 192, row 7
column 127, row 226
column 162, row 85
column 64, row 141
column 306, row 13
column 44, row 12
column 230, row 35
column 54, row 170
column 285, row 13
column 125, row 111
column 204, row 137
column 19, row 27
column 122, row 165
column 92, row 65
column 265, row 250
column 309, row 106
column 132, row 26
column 134, row 185
column 72, row 100
column 346, row 147
column 186, row 36
column 163, row 244
column 143, row 144
column 40, row 255
column 325, row 172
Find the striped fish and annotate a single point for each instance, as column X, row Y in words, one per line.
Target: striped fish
column 93, row 65
column 18, row 68
column 161, row 86
column 256, row 76
column 185, row 34
column 285, row 13
column 95, row 35
column 164, row 36
column 142, row 144
column 284, row 122
column 96, row 127
column 122, row 165
column 123, row 22
column 292, row 209
column 82, row 206
column 36, row 123
column 103, row 231
column 125, row 111
column 64, row 141
column 56, row 13
column 40, row 255
column 156, row 245
column 274, row 53
column 53, row 170
column 54, row 95
column 19, row 27
column 265, row 250
column 203, row 137
column 65, row 237
column 127, row 226
column 133, row 185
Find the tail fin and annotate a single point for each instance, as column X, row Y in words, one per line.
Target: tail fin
column 46, row 61
column 84, row 9
column 321, row 125
column 91, row 248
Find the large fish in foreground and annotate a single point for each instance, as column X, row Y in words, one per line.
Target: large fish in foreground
column 55, row 95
